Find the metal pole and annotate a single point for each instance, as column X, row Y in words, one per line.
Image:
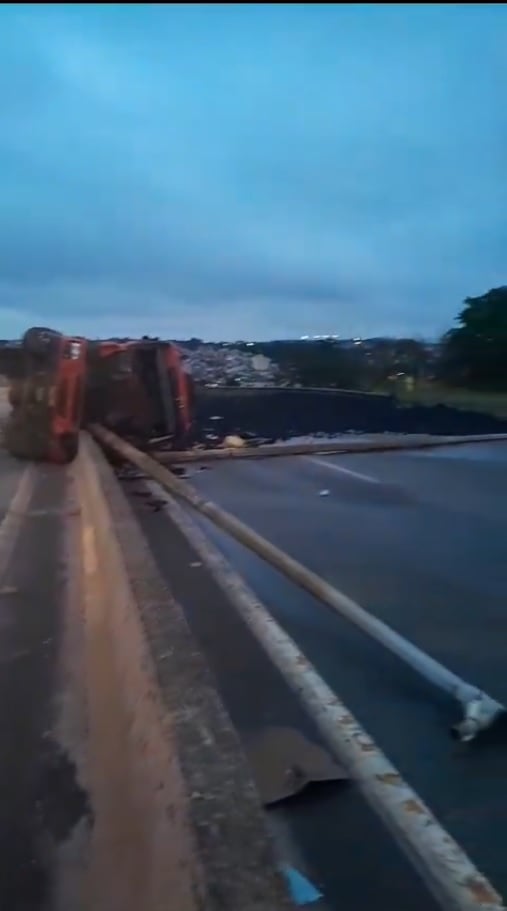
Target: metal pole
column 380, row 443
column 289, row 449
column 443, row 865
column 479, row 709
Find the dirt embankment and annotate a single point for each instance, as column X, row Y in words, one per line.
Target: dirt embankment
column 280, row 414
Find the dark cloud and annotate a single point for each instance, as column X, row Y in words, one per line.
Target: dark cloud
column 250, row 170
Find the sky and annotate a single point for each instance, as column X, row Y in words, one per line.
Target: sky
column 250, row 171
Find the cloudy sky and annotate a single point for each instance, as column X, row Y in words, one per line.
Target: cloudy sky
column 250, row 171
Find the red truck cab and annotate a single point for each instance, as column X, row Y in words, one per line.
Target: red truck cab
column 67, row 400
column 48, row 397
column 139, row 389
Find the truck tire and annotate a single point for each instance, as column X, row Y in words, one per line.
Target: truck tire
column 39, row 341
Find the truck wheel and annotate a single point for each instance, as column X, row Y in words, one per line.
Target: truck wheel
column 39, row 341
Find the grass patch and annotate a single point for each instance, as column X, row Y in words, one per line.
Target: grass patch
column 494, row 403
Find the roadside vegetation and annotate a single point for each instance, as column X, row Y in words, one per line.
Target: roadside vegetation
column 467, row 368
column 434, row 393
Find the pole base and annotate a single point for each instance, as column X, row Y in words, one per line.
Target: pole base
column 479, row 714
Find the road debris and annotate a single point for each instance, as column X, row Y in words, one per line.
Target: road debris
column 234, row 442
column 282, row 414
column 285, row 763
column 302, row 891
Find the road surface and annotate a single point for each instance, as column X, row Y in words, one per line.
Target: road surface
column 40, row 799
column 420, row 540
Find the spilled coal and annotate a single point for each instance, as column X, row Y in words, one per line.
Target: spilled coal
column 267, row 415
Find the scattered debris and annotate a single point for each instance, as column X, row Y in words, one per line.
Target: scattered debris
column 233, row 442
column 129, row 473
column 155, row 504
column 159, row 441
column 301, row 889
column 284, row 763
column 180, row 471
column 282, row 414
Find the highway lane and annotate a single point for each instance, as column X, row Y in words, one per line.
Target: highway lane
column 10, row 476
column 10, row 469
column 421, row 541
column 38, row 792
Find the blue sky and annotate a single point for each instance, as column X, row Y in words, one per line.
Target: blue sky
column 250, row 171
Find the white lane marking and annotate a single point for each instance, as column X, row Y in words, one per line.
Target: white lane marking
column 353, row 474
column 16, row 512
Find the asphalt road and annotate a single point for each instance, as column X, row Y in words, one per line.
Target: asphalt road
column 420, row 540
column 40, row 800
column 28, row 622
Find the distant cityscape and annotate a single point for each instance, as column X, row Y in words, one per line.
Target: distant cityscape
column 246, row 363
column 368, row 361
column 223, row 364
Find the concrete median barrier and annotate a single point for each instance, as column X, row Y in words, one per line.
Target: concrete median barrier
column 178, row 822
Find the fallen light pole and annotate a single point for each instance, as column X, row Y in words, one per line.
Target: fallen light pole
column 374, row 443
column 479, row 709
column 445, row 868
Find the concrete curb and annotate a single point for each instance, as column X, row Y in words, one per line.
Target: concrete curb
column 177, row 781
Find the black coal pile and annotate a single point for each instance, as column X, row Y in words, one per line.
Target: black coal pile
column 266, row 415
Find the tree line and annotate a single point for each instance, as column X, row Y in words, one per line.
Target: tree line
column 472, row 355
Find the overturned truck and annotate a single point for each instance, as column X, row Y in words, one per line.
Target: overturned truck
column 58, row 383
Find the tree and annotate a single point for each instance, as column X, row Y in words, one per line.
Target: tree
column 475, row 354
column 390, row 356
column 316, row 363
